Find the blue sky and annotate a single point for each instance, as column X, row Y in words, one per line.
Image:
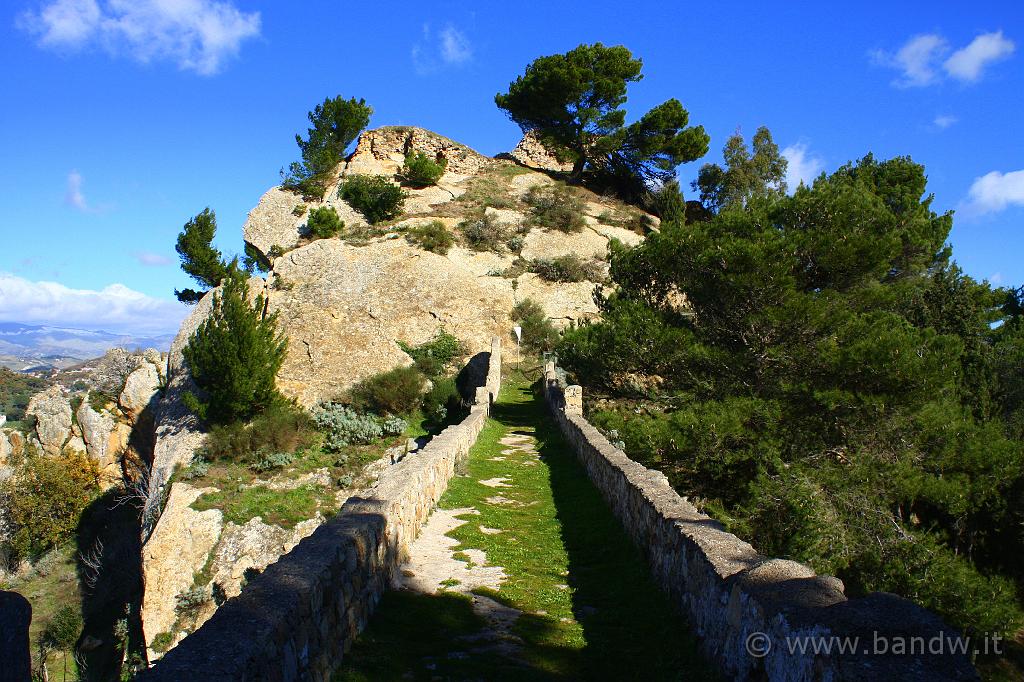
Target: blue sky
column 123, row 118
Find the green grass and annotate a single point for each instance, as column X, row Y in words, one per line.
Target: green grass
column 283, row 508
column 590, row 609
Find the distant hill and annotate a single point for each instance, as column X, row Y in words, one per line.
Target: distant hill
column 27, row 347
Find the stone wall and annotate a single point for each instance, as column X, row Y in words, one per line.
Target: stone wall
column 751, row 611
column 297, row 619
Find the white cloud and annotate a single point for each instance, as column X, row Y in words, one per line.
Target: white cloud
column 944, row 121
column 802, row 166
column 916, row 60
column 115, row 308
column 920, row 59
column 198, row 35
column 967, row 63
column 435, row 50
column 151, row 259
column 74, row 196
column 996, row 278
column 994, row 192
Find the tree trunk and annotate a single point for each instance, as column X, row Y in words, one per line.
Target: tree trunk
column 577, row 170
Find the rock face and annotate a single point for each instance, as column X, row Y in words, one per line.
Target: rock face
column 177, row 549
column 532, row 154
column 105, row 439
column 53, row 418
column 139, row 389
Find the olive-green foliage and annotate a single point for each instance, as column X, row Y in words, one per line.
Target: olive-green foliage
column 234, row 356
column 375, row 196
column 282, row 428
column 15, row 391
column 539, row 334
column 422, row 171
column 570, row 268
column 433, row 236
column 443, row 404
column 573, row 102
column 199, row 259
column 434, row 356
column 63, row 630
column 397, row 392
column 830, row 387
column 336, row 123
column 44, row 500
column 556, row 208
column 324, row 223
column 747, row 175
column 483, row 232
column 668, row 203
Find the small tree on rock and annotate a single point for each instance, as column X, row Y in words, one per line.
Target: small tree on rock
column 199, row 259
column 336, row 123
column 234, row 356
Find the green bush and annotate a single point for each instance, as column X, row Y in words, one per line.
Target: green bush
column 375, row 196
column 570, row 268
column 422, row 171
column 443, row 403
column 435, row 355
column 433, row 236
column 43, row 502
column 484, row 233
column 283, row 427
column 556, row 208
column 344, row 426
column 397, row 392
column 539, row 334
column 234, row 356
column 324, row 223
column 270, row 461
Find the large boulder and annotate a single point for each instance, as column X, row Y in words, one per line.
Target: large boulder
column 53, row 418
column 106, row 438
column 532, row 153
column 178, row 548
column 139, row 388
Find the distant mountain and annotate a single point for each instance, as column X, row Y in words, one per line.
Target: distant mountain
column 27, row 347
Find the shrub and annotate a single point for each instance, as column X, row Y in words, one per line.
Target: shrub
column 42, row 504
column 421, row 171
column 324, row 223
column 299, row 210
column 375, row 196
column 484, row 233
column 396, row 391
column 234, row 356
column 538, row 332
column 570, row 268
column 394, row 426
column 197, row 469
column 188, row 603
column 556, row 208
column 443, row 403
column 265, row 462
column 432, row 357
column 433, row 236
column 284, row 427
column 345, row 426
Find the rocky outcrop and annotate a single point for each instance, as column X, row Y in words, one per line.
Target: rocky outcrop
column 106, row 438
column 532, row 153
column 52, row 412
column 139, row 388
column 178, row 548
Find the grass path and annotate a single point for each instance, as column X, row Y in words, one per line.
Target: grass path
column 524, row 575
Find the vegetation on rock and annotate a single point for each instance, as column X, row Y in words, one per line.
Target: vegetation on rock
column 234, row 356
column 375, row 196
column 324, row 223
column 395, row 392
column 435, row 356
column 422, row 171
column 573, row 101
column 539, row 334
column 570, row 268
column 199, row 259
column 556, row 208
column 337, row 122
column 433, row 236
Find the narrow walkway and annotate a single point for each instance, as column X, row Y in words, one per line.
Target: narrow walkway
column 524, row 574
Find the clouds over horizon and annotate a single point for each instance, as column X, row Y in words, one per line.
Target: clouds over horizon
column 922, row 60
column 197, row 35
column 802, row 165
column 115, row 308
column 439, row 49
column 994, row 192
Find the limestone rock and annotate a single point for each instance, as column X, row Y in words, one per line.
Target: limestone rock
column 552, row 243
column 5, row 448
column 564, row 302
column 382, row 151
column 531, row 153
column 254, row 545
column 105, row 439
column 273, row 223
column 179, row 547
column 139, row 389
column 53, row 414
column 348, row 306
column 506, row 217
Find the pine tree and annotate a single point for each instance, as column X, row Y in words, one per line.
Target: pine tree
column 748, row 174
column 199, row 258
column 234, row 356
